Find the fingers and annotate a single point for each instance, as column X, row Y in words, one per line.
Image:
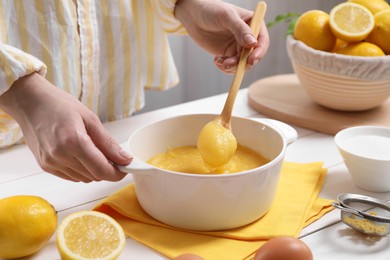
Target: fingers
column 70, row 175
column 261, row 47
column 74, row 166
column 90, row 169
column 75, row 157
column 96, row 163
column 93, row 150
column 97, row 150
column 105, row 143
column 228, row 65
column 239, row 28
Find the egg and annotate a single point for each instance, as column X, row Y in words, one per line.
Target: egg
column 188, row 257
column 284, row 248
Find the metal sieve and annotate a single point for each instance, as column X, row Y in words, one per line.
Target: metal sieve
column 364, row 214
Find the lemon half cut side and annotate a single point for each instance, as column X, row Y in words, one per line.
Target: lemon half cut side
column 90, row 235
column 351, row 22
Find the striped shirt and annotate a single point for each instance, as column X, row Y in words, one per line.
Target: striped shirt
column 104, row 52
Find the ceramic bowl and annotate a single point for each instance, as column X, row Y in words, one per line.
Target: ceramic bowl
column 213, row 201
column 366, row 154
column 340, row 82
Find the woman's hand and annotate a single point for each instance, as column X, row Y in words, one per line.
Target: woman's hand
column 222, row 29
column 67, row 139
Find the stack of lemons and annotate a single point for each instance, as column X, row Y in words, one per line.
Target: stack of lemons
column 354, row 27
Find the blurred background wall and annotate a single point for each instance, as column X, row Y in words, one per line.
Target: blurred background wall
column 199, row 77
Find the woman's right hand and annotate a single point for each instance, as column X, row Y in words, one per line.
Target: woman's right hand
column 66, row 138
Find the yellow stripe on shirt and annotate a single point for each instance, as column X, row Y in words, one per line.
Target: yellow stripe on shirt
column 44, row 36
column 150, row 43
column 3, row 26
column 164, row 65
column 22, row 31
column 165, row 10
column 63, row 41
column 136, row 19
column 86, row 19
column 6, row 67
column 126, row 62
column 110, row 55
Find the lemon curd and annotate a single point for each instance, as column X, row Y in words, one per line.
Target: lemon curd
column 187, row 159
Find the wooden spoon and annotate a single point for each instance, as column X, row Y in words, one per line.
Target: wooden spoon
column 216, row 142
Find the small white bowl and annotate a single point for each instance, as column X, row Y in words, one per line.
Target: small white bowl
column 366, row 154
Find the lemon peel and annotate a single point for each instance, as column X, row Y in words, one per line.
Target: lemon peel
column 313, row 29
column 365, row 49
column 374, row 6
column 380, row 35
column 27, row 223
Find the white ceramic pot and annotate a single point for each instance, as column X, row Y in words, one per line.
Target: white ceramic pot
column 207, row 202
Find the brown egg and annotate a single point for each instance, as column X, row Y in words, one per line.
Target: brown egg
column 284, row 248
column 188, row 257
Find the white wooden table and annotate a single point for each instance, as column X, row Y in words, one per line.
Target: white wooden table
column 328, row 238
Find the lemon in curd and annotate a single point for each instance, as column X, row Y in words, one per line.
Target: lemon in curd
column 216, row 144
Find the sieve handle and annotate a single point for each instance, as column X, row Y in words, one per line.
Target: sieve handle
column 346, row 209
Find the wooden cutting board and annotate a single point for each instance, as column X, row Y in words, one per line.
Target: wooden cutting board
column 282, row 97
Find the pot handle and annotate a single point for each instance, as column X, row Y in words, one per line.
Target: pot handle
column 289, row 133
column 136, row 166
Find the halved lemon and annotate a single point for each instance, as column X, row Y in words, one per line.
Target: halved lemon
column 87, row 235
column 351, row 22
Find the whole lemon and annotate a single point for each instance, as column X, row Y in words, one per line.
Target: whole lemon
column 313, row 29
column 374, row 6
column 380, row 35
column 360, row 49
column 26, row 224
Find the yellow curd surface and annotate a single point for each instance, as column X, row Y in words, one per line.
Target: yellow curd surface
column 187, row 159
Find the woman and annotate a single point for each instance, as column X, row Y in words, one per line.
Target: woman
column 67, row 66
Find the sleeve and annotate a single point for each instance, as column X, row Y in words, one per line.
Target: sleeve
column 165, row 10
column 14, row 64
column 10, row 132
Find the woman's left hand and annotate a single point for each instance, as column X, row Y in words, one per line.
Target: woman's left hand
column 222, row 29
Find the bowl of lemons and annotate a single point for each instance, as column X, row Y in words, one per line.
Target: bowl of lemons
column 342, row 57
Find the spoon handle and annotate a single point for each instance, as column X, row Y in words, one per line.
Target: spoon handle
column 255, row 25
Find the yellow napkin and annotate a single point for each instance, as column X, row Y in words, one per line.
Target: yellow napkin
column 296, row 205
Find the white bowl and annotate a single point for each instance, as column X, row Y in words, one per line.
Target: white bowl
column 213, row 201
column 366, row 154
column 340, row 82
